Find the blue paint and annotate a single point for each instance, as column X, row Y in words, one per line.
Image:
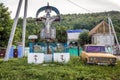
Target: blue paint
column 31, row 45
column 74, row 51
column 20, row 52
column 11, row 52
column 75, row 31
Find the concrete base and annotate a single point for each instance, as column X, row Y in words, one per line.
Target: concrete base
column 48, row 57
column 39, row 58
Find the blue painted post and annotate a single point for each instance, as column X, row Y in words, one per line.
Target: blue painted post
column 31, row 47
column 52, row 54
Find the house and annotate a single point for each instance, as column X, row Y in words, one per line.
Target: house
column 102, row 34
column 73, row 35
column 72, row 41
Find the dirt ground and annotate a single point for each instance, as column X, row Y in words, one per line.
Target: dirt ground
column 118, row 57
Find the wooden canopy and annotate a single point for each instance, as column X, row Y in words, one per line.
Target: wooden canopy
column 102, row 27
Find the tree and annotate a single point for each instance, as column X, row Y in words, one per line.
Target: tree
column 5, row 25
column 84, row 38
column 61, row 34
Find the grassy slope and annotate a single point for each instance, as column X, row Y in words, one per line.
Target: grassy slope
column 75, row 70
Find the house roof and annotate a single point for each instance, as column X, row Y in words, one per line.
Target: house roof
column 102, row 27
column 75, row 31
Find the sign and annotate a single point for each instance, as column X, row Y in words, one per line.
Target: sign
column 36, row 58
column 61, row 57
column 37, row 48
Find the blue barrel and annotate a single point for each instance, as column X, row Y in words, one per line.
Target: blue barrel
column 11, row 52
column 20, row 52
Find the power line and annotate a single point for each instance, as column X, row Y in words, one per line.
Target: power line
column 79, row 6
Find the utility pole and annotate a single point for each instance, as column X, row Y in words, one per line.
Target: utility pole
column 114, row 33
column 24, row 27
column 110, row 33
column 13, row 31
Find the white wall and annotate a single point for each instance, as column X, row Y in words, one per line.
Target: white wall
column 103, row 39
column 73, row 36
column 61, row 57
column 36, row 58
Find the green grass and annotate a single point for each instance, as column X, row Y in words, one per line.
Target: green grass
column 19, row 69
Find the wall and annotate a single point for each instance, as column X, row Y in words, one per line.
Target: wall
column 103, row 39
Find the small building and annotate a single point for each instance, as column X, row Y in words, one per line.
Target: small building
column 72, row 41
column 73, row 35
column 100, row 34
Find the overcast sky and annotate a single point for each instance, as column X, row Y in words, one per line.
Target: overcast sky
column 64, row 6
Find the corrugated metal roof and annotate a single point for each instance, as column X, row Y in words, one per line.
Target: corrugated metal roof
column 75, row 31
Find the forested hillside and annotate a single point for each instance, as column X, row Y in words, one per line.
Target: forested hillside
column 75, row 21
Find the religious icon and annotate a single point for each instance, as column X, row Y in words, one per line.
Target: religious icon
column 62, row 58
column 35, row 58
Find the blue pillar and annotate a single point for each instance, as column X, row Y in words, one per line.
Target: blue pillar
column 31, row 45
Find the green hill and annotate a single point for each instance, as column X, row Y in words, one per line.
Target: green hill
column 77, row 21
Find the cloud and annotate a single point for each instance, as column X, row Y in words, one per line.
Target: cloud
column 105, row 3
column 64, row 6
